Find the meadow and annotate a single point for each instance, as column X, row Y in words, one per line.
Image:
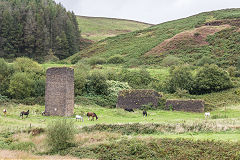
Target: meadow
column 98, row 28
column 116, row 128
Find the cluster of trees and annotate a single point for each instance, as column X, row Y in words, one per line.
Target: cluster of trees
column 36, row 29
column 207, row 79
column 22, row 80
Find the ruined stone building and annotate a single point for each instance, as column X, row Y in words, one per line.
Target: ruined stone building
column 59, row 93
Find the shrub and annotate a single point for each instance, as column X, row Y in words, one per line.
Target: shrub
column 115, row 59
column 115, row 86
column 39, row 87
column 4, row 69
column 95, row 60
column 60, row 135
column 50, row 57
column 232, row 71
column 112, row 74
column 27, row 65
column 104, row 101
column 238, row 63
column 96, row 83
column 211, row 78
column 3, row 99
column 180, row 78
column 170, row 61
column 205, row 60
column 6, row 72
column 21, row 85
column 80, row 78
column 136, row 79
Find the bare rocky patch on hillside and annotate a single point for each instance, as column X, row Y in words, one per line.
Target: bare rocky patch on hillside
column 195, row 37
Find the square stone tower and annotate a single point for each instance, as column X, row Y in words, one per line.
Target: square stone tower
column 59, row 93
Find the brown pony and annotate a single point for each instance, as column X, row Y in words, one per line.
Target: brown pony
column 91, row 114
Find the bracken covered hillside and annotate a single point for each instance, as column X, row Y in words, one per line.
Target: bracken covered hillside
column 210, row 34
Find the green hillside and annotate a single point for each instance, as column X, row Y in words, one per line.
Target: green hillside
column 213, row 34
column 98, row 28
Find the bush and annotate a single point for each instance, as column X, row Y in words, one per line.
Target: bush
column 211, row 78
column 205, row 60
column 60, row 135
column 80, row 78
column 3, row 99
column 112, row 74
column 180, row 78
column 136, row 79
column 6, row 72
column 115, row 59
column 115, row 86
column 27, row 65
column 4, row 69
column 39, row 87
column 104, row 101
column 95, row 60
column 238, row 63
column 96, row 83
column 232, row 71
column 171, row 61
column 50, row 57
column 21, row 85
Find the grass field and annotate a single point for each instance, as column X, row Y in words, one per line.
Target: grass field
column 117, row 116
column 98, row 28
column 116, row 128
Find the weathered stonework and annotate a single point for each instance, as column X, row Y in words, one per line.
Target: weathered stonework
column 133, row 99
column 185, row 105
column 59, row 93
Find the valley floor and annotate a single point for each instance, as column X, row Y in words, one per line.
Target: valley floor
column 116, row 128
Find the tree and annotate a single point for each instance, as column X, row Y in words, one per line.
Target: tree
column 180, row 78
column 211, row 78
column 21, row 85
column 32, row 28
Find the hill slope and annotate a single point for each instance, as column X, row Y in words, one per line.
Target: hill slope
column 98, row 28
column 222, row 42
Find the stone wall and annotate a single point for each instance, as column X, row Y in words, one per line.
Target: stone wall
column 133, row 99
column 185, row 105
column 59, row 93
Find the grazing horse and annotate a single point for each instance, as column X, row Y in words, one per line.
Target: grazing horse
column 24, row 113
column 91, row 114
column 78, row 117
column 129, row 109
column 5, row 112
column 144, row 113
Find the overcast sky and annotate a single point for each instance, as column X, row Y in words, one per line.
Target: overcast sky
column 150, row 11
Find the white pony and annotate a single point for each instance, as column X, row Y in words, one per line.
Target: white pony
column 78, row 117
column 5, row 112
column 207, row 114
